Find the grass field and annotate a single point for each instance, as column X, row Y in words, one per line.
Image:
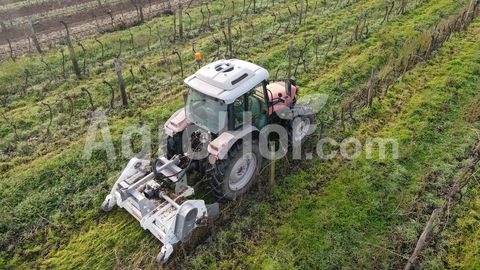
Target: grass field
column 366, row 213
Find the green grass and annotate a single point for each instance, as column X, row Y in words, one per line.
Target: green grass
column 458, row 244
column 365, row 215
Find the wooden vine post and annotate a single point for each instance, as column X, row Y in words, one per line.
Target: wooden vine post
column 189, row 22
column 27, row 75
column 73, row 56
column 132, row 40
column 371, row 87
column 208, row 16
column 121, row 83
column 272, row 165
column 140, row 11
column 33, row 36
column 174, row 27
column 300, row 15
column 403, row 6
column 149, row 36
column 180, row 21
column 290, row 56
column 229, row 36
column 63, row 63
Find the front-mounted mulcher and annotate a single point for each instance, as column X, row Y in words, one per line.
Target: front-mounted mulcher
column 212, row 135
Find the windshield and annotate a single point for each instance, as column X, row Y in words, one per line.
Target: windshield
column 206, row 112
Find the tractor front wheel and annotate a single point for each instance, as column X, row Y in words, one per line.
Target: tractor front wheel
column 235, row 174
column 301, row 127
column 174, row 145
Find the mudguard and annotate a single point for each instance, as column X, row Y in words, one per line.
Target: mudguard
column 219, row 147
column 176, row 123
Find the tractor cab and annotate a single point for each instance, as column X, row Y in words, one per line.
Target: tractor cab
column 220, row 93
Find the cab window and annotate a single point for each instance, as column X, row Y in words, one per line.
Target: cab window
column 253, row 102
column 239, row 107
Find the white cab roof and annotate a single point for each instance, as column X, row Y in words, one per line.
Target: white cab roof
column 227, row 79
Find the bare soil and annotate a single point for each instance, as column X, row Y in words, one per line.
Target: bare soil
column 36, row 8
column 83, row 17
column 4, row 2
column 85, row 22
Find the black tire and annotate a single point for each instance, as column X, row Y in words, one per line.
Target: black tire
column 174, row 145
column 301, row 119
column 220, row 179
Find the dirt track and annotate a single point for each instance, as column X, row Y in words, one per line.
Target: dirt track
column 28, row 10
column 51, row 24
column 82, row 23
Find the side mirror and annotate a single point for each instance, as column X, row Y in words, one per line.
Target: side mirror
column 288, row 84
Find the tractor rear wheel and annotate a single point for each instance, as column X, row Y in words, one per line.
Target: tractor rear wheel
column 234, row 175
